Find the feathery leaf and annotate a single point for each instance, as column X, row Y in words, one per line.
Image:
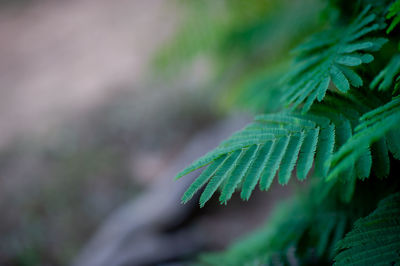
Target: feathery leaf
column 330, row 56
column 384, row 80
column 256, row 153
column 371, row 132
column 394, row 12
column 375, row 239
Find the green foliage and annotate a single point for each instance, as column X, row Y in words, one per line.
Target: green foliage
column 302, row 230
column 293, row 225
column 339, row 130
column 375, row 239
column 378, row 127
column 389, row 75
column 331, row 56
column 256, row 153
column 274, row 144
column 394, row 12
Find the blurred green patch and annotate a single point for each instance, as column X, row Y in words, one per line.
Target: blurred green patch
column 245, row 42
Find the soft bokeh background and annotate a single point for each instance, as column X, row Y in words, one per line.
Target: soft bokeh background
column 98, row 98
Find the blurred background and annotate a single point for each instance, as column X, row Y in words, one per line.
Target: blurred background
column 103, row 102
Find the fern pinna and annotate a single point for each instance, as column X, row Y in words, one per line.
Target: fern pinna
column 339, row 126
column 329, row 57
column 375, row 239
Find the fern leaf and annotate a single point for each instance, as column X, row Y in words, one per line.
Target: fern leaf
column 223, row 171
column 375, row 239
column 325, row 149
column 330, row 57
column 307, row 152
column 256, row 153
column 202, row 179
column 201, row 162
column 274, row 162
column 353, row 78
column 323, row 87
column 339, row 79
column 261, row 158
column 357, row 46
column 364, row 164
column 274, row 143
column 394, row 12
column 349, row 60
column 371, row 132
column 290, row 158
column 384, row 80
column 246, row 159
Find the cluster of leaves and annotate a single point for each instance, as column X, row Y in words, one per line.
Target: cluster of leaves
column 305, row 231
column 329, row 57
column 340, row 127
column 374, row 239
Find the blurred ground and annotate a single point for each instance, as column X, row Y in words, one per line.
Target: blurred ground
column 83, row 127
column 59, row 58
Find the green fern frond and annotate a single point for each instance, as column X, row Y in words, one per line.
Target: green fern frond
column 388, row 76
column 375, row 239
column 256, row 153
column 376, row 132
column 394, row 12
column 330, row 57
column 274, row 144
